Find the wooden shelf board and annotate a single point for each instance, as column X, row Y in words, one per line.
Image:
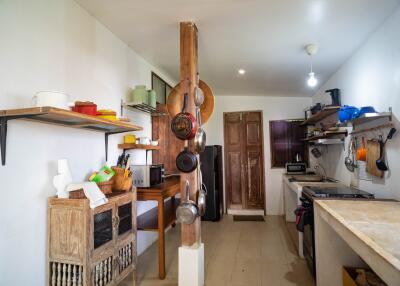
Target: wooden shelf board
column 126, row 146
column 324, row 113
column 63, row 117
column 149, row 220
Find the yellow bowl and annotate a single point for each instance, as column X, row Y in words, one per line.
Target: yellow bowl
column 108, row 117
column 129, row 139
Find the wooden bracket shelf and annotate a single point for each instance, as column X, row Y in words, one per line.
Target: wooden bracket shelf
column 148, row 221
column 127, row 146
column 61, row 117
column 324, row 113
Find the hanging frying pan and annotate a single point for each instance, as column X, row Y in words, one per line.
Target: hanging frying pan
column 186, row 161
column 175, row 100
column 184, row 124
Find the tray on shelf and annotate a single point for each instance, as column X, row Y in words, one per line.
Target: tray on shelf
column 327, row 135
column 144, row 107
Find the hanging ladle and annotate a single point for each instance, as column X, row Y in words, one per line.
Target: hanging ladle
column 380, row 163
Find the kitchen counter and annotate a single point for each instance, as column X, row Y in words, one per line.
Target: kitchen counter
column 348, row 229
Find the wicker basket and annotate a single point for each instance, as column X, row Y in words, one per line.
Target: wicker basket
column 106, row 187
column 121, row 183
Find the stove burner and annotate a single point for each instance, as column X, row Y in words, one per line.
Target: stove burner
column 336, row 192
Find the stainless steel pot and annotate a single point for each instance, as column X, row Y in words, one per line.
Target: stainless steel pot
column 187, row 211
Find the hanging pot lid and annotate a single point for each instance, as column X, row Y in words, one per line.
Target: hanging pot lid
column 175, row 101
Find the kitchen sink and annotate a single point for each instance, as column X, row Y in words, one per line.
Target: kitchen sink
column 311, row 178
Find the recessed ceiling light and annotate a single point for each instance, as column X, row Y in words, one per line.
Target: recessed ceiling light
column 241, row 71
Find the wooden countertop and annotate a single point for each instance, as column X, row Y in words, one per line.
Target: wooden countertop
column 171, row 185
column 374, row 232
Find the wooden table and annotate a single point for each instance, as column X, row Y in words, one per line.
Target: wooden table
column 158, row 219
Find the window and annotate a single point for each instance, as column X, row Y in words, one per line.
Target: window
column 285, row 142
column 161, row 87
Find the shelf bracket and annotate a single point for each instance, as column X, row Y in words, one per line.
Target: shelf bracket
column 106, row 143
column 3, row 139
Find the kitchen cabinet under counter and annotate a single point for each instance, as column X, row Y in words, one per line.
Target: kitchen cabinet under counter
column 357, row 233
column 292, row 192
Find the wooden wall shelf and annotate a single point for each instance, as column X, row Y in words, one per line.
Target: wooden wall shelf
column 61, row 117
column 127, row 146
column 148, row 221
column 324, row 113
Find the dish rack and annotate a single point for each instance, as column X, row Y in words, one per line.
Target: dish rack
column 91, row 247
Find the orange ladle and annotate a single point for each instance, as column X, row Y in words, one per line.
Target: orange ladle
column 362, row 151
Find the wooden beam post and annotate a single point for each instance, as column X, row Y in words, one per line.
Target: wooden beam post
column 188, row 70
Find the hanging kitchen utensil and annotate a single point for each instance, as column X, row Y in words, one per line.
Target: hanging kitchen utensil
column 362, row 151
column 187, row 211
column 184, row 124
column 200, row 137
column 201, row 194
column 186, row 161
column 316, row 153
column 174, row 101
column 380, row 163
column 348, row 161
column 353, row 152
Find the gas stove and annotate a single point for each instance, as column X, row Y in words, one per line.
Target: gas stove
column 335, row 192
column 308, row 195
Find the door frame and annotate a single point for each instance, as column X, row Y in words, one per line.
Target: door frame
column 226, row 194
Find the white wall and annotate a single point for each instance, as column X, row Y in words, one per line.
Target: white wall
column 55, row 45
column 273, row 108
column 371, row 77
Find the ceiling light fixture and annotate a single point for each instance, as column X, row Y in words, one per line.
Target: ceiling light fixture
column 241, row 71
column 311, row 50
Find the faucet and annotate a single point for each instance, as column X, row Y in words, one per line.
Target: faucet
column 320, row 167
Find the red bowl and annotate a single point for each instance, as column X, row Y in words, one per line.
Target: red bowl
column 89, row 109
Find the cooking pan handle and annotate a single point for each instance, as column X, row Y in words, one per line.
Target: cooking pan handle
column 187, row 189
column 391, row 133
column 185, row 102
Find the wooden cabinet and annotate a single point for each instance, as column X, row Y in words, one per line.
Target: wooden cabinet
column 286, row 141
column 91, row 246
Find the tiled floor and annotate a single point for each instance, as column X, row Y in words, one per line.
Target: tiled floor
column 236, row 254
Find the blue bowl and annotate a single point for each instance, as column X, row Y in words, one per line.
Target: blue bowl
column 366, row 109
column 347, row 113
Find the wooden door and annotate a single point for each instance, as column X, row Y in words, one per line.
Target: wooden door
column 244, row 161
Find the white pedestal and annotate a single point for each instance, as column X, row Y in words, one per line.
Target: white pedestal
column 191, row 266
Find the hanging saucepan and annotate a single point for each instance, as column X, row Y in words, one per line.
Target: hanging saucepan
column 184, row 124
column 187, row 211
column 200, row 137
column 186, row 161
column 201, row 195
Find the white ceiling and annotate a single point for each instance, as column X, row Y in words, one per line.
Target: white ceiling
column 264, row 37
